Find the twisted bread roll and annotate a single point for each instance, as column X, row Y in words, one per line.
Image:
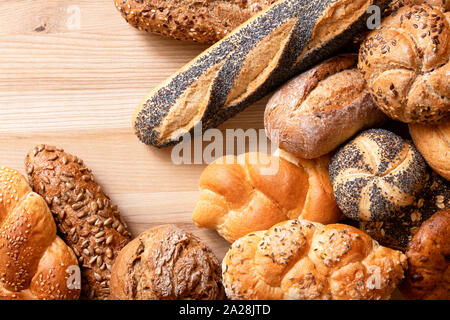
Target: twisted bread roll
column 301, row 260
column 376, row 175
column 406, row 64
column 34, row 262
column 238, row 197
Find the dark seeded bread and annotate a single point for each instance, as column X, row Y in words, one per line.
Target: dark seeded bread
column 86, row 219
column 204, row 21
column 273, row 46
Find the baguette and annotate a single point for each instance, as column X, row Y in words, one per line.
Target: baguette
column 273, row 46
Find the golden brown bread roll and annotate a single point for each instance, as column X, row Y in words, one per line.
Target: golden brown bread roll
column 406, row 64
column 433, row 142
column 238, row 197
column 376, row 175
column 34, row 262
column 204, row 21
column 86, row 219
column 397, row 232
column 318, row 110
column 166, row 263
column 297, row 259
column 396, row 4
column 428, row 275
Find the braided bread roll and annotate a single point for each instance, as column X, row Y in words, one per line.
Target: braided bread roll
column 34, row 262
column 301, row 260
column 238, row 197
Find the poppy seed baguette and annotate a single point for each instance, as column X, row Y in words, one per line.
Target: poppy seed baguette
column 270, row 48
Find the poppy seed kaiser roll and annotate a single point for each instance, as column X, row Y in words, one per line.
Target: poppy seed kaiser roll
column 375, row 175
column 276, row 44
column 166, row 263
column 406, row 64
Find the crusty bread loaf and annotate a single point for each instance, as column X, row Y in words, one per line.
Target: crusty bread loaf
column 318, row 110
column 84, row 214
column 433, row 142
column 297, row 259
column 238, row 197
column 273, row 46
column 166, row 263
column 397, row 4
column 428, row 275
column 406, row 64
column 397, row 232
column 204, row 21
column 376, row 175
column 34, row 262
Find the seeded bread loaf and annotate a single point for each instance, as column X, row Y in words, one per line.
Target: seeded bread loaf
column 166, row 263
column 318, row 110
column 300, row 260
column 396, row 4
column 406, row 64
column 433, row 142
column 428, row 253
column 34, row 262
column 376, row 175
column 84, row 214
column 204, row 21
column 273, row 46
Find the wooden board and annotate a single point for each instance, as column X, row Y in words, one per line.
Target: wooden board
column 71, row 74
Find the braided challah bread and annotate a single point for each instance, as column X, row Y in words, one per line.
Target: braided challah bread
column 301, row 260
column 254, row 191
column 406, row 64
column 34, row 262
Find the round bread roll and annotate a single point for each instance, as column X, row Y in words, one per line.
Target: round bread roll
column 428, row 275
column 318, row 110
column 433, row 142
column 301, row 260
column 397, row 232
column 166, row 263
column 376, row 175
column 406, row 64
column 442, row 4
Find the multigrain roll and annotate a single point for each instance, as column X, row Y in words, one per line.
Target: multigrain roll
column 204, row 21
column 318, row 110
column 397, row 232
column 428, row 276
column 433, row 142
column 396, row 4
column 166, row 263
column 254, row 191
column 35, row 264
column 86, row 219
column 376, row 175
column 301, row 260
column 406, row 64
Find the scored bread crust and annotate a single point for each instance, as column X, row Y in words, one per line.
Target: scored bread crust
column 406, row 64
column 34, row 261
column 86, row 219
column 300, row 260
column 318, row 110
column 271, row 47
column 376, row 175
column 254, row 191
column 428, row 276
column 166, row 263
column 433, row 142
column 204, row 21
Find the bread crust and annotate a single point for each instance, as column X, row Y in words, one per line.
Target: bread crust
column 86, row 219
column 203, row 21
column 166, row 263
column 34, row 261
column 433, row 142
column 428, row 276
column 318, row 110
column 237, row 197
column 406, row 64
column 300, row 260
